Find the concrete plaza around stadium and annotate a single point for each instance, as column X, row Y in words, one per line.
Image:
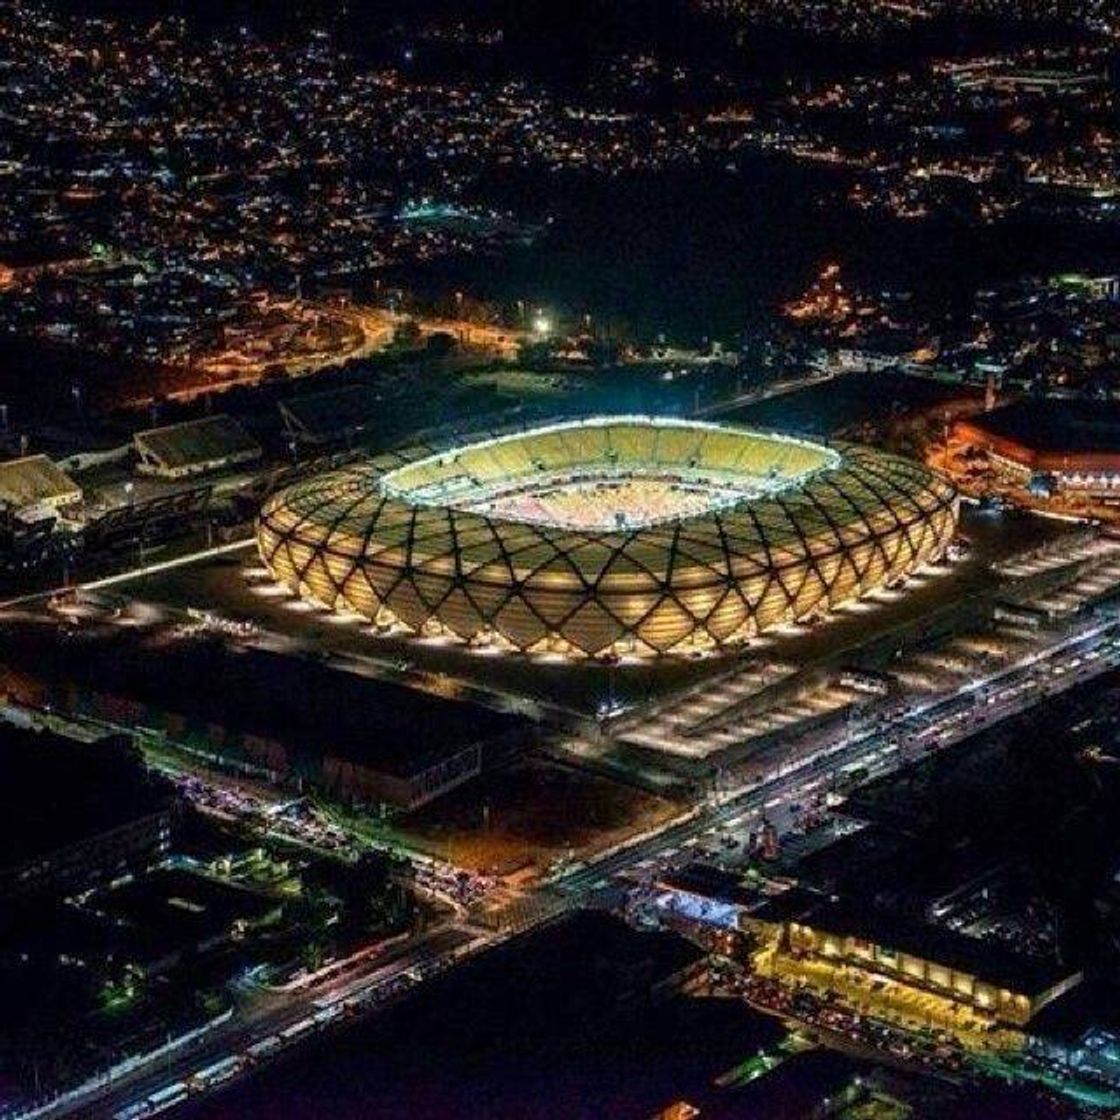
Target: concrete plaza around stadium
column 237, row 587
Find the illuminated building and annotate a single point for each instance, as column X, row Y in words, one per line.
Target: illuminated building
column 35, row 484
column 855, row 946
column 1074, row 445
column 607, row 536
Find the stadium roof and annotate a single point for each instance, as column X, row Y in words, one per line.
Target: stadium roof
column 35, row 480
column 320, row 417
column 196, row 445
column 816, row 527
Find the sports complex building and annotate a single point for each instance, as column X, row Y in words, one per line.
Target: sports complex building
column 1074, row 445
column 623, row 535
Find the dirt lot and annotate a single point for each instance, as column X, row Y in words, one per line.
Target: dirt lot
column 532, row 812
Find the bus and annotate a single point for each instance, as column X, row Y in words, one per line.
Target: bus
column 216, row 1073
column 166, row 1098
column 297, row 1029
column 134, row 1111
column 265, row 1048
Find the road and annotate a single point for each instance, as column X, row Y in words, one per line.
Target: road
column 767, row 392
column 267, row 1023
column 884, row 744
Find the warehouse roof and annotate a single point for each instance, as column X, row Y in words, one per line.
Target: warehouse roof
column 206, row 444
column 320, row 417
column 34, row 479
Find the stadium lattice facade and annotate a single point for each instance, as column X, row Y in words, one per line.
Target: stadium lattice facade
column 607, row 536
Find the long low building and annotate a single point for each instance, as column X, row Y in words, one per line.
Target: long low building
column 195, row 447
column 1006, row 988
column 363, row 740
column 1076, row 444
column 35, row 482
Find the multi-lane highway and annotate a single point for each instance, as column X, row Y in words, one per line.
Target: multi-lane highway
column 883, row 743
column 268, row 1022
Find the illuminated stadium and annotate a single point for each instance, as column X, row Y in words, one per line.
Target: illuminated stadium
column 607, row 536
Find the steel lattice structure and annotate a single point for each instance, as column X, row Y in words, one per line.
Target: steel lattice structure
column 814, row 527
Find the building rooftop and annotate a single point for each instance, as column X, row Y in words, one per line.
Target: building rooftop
column 171, row 910
column 989, row 962
column 706, row 881
column 35, row 479
column 576, row 970
column 1077, row 427
column 196, row 444
column 60, row 793
column 313, row 709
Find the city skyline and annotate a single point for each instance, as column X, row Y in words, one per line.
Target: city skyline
column 560, row 561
